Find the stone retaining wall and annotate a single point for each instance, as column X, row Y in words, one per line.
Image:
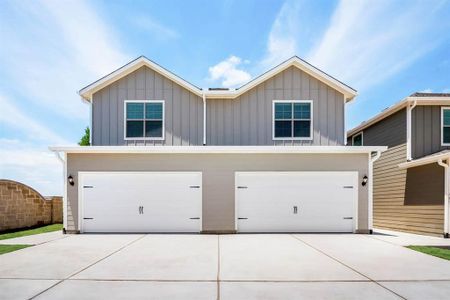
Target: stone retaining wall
column 21, row 207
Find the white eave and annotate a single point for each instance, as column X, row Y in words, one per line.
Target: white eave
column 218, row 149
column 398, row 106
column 87, row 92
column 432, row 158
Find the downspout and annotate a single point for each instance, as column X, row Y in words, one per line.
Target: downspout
column 204, row 119
column 446, row 190
column 409, row 109
column 372, row 160
column 64, row 162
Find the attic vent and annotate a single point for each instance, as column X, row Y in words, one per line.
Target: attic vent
column 218, row 89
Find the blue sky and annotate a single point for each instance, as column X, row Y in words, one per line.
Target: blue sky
column 50, row 49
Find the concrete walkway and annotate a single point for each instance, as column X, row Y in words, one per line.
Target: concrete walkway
column 263, row 266
column 35, row 239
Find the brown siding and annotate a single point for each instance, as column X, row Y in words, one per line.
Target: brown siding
column 391, row 198
column 426, row 131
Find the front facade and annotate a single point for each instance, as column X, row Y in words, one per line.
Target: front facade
column 167, row 156
column 410, row 178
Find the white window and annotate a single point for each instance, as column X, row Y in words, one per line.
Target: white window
column 144, row 120
column 357, row 139
column 292, row 120
column 445, row 126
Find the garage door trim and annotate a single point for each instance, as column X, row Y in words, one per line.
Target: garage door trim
column 355, row 201
column 80, row 190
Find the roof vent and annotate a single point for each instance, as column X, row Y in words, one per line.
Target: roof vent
column 219, row 89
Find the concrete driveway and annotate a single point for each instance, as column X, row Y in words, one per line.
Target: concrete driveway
column 271, row 266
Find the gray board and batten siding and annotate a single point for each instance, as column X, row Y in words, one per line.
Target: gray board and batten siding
column 183, row 110
column 246, row 120
column 426, row 131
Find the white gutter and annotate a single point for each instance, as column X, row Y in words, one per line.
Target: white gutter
column 409, row 109
column 446, row 191
column 204, row 119
column 372, row 160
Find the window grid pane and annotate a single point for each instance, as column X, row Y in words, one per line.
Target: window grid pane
column 153, row 111
column 446, row 117
column 302, row 111
column 283, row 111
column 357, row 140
column 135, row 111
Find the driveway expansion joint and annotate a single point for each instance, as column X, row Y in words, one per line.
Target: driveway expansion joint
column 90, row 265
column 342, row 263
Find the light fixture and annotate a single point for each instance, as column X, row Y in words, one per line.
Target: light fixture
column 364, row 181
column 70, row 179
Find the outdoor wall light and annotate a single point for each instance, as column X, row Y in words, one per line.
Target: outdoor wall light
column 70, row 179
column 364, row 181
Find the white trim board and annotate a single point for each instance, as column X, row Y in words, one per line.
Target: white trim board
column 219, row 149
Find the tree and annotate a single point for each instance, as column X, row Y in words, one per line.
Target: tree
column 85, row 138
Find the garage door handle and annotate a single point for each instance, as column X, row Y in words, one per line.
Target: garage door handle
column 242, row 218
column 194, row 186
column 242, row 187
column 196, row 218
column 88, row 218
column 348, row 218
column 88, row 186
column 347, row 186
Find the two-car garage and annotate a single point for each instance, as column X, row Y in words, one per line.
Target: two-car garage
column 172, row 201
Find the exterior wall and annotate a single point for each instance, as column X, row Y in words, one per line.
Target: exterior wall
column 247, row 120
column 390, row 132
column 21, row 207
column 426, row 131
column 218, row 177
column 403, row 199
column 183, row 110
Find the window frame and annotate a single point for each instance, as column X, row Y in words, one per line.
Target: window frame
column 443, row 108
column 144, row 138
column 292, row 138
column 362, row 138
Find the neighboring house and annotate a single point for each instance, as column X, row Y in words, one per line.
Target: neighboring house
column 167, row 156
column 411, row 178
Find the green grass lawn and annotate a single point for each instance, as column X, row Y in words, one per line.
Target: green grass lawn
column 10, row 248
column 438, row 252
column 43, row 229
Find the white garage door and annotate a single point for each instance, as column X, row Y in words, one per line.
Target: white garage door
column 296, row 201
column 140, row 202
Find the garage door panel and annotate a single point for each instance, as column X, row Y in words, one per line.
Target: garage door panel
column 295, row 201
column 141, row 202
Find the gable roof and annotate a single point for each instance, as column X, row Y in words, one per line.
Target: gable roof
column 87, row 92
column 418, row 97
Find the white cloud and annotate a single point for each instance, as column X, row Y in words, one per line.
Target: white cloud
column 31, row 165
column 153, row 27
column 369, row 41
column 228, row 72
column 50, row 49
column 13, row 117
column 53, row 48
column 282, row 40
